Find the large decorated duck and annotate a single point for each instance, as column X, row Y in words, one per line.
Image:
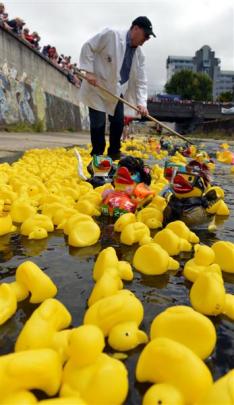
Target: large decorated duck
column 190, row 195
column 131, row 188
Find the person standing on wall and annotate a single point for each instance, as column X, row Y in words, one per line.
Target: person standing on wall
column 114, row 60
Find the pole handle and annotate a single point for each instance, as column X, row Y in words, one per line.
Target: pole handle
column 83, row 76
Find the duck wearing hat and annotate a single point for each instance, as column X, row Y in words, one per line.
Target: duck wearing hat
column 189, row 194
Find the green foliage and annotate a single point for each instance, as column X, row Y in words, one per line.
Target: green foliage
column 226, row 96
column 24, row 126
column 190, row 85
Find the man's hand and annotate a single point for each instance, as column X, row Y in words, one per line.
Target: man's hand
column 91, row 79
column 142, row 110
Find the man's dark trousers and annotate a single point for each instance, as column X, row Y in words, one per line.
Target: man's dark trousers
column 97, row 130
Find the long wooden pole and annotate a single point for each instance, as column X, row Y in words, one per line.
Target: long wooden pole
column 82, row 76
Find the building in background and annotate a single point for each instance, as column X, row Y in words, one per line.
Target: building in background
column 177, row 63
column 204, row 61
column 225, row 82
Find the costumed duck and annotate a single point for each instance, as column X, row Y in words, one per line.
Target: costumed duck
column 131, row 188
column 189, row 194
column 101, row 169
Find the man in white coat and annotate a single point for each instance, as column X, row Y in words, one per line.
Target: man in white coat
column 114, row 60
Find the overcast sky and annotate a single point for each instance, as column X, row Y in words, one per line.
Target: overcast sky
column 181, row 26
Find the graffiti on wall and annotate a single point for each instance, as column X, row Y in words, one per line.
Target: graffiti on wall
column 20, row 101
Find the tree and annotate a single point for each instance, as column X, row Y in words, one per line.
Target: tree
column 226, row 96
column 190, row 85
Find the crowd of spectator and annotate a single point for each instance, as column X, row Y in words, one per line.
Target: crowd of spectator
column 156, row 99
column 17, row 27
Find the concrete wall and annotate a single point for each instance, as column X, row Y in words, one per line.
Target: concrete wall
column 33, row 90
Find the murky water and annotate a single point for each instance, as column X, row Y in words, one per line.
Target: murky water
column 71, row 270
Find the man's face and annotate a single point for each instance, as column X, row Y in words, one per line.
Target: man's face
column 2, row 8
column 138, row 36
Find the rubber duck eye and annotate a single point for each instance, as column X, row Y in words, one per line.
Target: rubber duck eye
column 159, row 402
column 190, row 178
column 126, row 334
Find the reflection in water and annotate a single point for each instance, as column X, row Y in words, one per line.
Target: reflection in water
column 33, row 247
column 85, row 251
column 71, row 270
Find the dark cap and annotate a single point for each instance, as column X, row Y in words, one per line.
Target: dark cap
column 144, row 22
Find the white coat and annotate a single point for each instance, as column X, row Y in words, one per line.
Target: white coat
column 103, row 55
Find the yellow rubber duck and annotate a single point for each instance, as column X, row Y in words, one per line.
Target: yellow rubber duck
column 202, row 261
column 29, row 278
column 126, row 336
column 225, row 145
column 88, row 207
column 183, row 231
column 71, row 222
column 225, row 156
column 84, row 234
column 58, row 212
column 43, row 327
column 228, row 308
column 37, row 220
column 21, row 210
column 158, row 202
column 133, row 233
column 38, row 233
column 221, row 392
column 224, row 255
column 163, row 394
column 75, row 400
column 174, row 323
column 151, row 259
column 7, row 194
column 219, row 208
column 207, row 294
column 35, row 281
column 31, row 369
column 8, row 302
column 6, row 225
column 107, row 259
column 95, row 376
column 116, row 310
column 172, row 243
column 164, row 360
column 108, row 284
column 151, row 217
column 20, row 398
column 124, row 220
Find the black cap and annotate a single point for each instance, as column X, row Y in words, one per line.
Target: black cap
column 144, row 22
